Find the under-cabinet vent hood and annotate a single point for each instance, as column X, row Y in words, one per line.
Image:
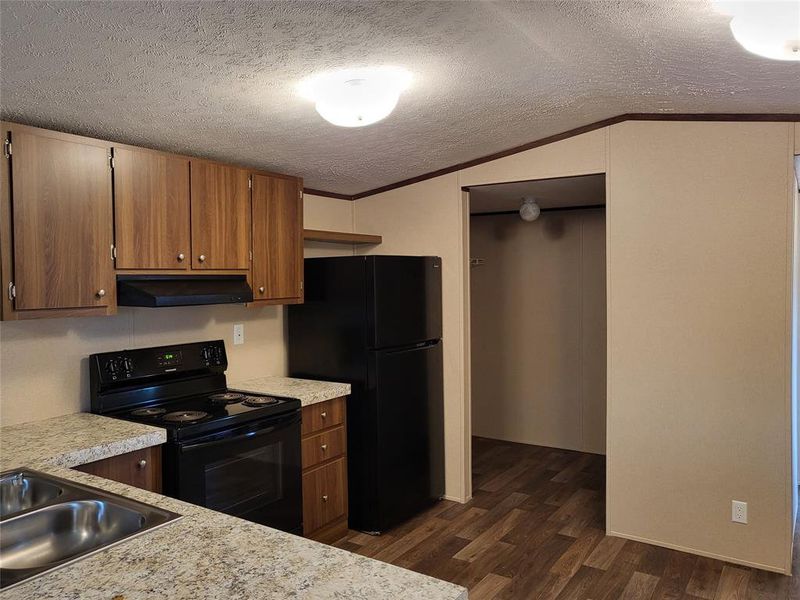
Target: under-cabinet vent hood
column 182, row 290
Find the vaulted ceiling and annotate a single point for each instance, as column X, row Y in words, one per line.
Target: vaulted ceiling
column 218, row 79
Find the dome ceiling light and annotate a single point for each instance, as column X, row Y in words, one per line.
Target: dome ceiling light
column 769, row 28
column 529, row 210
column 356, row 97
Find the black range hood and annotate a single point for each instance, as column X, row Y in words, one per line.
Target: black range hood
column 182, row 290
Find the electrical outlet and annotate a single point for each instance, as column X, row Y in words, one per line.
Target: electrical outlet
column 238, row 334
column 739, row 512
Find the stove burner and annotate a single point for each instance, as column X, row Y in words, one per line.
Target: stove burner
column 185, row 416
column 226, row 397
column 259, row 401
column 148, row 412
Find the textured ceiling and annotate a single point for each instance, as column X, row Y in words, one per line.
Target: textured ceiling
column 586, row 190
column 218, row 79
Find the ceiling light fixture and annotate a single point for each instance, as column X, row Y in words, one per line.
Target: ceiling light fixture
column 769, row 28
column 529, row 210
column 356, row 97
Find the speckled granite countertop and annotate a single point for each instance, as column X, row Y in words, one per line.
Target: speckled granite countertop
column 306, row 390
column 73, row 440
column 203, row 555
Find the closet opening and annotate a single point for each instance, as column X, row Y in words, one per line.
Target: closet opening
column 538, row 347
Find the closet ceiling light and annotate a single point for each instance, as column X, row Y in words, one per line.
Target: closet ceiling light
column 529, row 210
column 356, row 97
column 769, row 28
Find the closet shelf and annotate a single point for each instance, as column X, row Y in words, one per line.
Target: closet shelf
column 340, row 237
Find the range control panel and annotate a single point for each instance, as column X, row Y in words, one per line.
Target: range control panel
column 144, row 363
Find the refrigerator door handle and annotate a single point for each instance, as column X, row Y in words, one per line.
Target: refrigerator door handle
column 427, row 344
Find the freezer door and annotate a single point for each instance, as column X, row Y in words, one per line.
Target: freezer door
column 405, row 304
column 410, row 423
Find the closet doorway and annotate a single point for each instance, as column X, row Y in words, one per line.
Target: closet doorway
column 538, row 336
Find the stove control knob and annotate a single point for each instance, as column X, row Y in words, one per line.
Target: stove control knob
column 127, row 366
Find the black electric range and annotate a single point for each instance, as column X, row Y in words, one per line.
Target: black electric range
column 188, row 417
column 236, row 452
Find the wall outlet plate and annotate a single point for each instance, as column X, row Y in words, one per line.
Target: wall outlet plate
column 738, row 511
column 238, row 334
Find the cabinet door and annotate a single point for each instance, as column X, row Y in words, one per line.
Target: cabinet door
column 140, row 468
column 151, row 209
column 324, row 495
column 277, row 238
column 220, row 216
column 62, row 223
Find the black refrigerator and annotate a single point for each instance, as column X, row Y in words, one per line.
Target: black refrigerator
column 376, row 322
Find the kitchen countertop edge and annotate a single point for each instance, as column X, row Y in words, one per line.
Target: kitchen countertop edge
column 308, row 391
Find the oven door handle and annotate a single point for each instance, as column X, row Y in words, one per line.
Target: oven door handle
column 249, row 433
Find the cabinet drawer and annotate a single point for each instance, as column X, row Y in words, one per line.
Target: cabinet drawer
column 323, row 415
column 324, row 495
column 140, row 468
column 323, row 446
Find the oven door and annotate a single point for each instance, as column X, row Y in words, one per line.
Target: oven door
column 252, row 471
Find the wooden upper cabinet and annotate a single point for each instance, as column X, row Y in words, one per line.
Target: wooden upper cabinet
column 62, row 222
column 277, row 238
column 220, row 201
column 151, row 209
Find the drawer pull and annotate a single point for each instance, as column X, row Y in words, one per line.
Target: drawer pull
column 324, row 447
column 324, row 497
column 142, row 464
column 323, row 414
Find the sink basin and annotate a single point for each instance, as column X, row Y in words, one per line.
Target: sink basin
column 59, row 521
column 20, row 492
column 55, row 533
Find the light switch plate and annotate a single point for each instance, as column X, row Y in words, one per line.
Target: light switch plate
column 238, row 334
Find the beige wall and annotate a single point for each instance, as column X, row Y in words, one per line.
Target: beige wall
column 577, row 155
column 330, row 214
column 539, row 329
column 797, row 138
column 795, row 348
column 43, row 366
column 699, row 221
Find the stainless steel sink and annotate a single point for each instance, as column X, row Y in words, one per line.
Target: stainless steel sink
column 20, row 492
column 64, row 521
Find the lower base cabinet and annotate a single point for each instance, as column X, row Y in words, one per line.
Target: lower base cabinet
column 324, row 455
column 140, row 468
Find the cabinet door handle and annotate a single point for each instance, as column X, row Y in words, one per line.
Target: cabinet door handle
column 324, row 447
column 142, row 464
column 324, row 497
column 261, row 289
column 202, row 258
column 181, row 256
column 100, row 293
column 323, row 414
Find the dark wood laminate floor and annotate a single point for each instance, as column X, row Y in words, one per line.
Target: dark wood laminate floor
column 535, row 530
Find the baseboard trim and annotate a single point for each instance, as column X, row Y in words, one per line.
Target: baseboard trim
column 722, row 557
column 458, row 499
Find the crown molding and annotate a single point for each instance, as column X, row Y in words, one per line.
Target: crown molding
column 328, row 194
column 740, row 117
